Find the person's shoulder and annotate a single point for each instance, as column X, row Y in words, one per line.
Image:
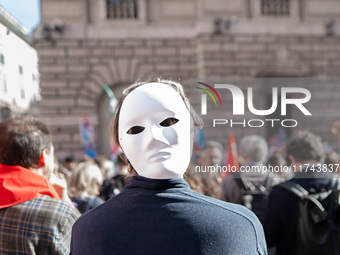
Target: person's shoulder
column 100, row 210
column 231, row 217
column 230, row 179
column 232, row 176
column 279, row 187
column 97, row 201
column 233, row 210
column 50, row 211
column 52, row 206
column 98, row 214
column 279, row 194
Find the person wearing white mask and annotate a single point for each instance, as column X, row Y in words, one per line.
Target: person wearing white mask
column 157, row 212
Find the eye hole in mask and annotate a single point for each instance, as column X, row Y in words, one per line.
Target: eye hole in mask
column 135, row 130
column 168, row 122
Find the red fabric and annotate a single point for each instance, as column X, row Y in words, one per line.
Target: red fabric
column 18, row 184
column 232, row 157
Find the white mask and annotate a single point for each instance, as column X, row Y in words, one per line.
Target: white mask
column 156, row 131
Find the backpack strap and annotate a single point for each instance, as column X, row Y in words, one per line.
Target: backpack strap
column 319, row 211
column 335, row 187
column 294, row 188
column 334, row 184
column 334, row 205
column 243, row 183
column 270, row 181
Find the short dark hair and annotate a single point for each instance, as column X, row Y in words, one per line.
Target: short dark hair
column 304, row 146
column 22, row 139
column 69, row 159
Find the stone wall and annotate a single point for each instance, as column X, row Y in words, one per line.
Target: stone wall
column 73, row 72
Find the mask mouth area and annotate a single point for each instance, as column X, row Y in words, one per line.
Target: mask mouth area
column 160, row 156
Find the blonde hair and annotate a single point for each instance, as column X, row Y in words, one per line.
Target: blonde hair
column 85, row 180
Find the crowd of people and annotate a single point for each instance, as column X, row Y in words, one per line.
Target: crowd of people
column 151, row 200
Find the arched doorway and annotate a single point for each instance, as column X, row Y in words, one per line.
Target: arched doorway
column 104, row 118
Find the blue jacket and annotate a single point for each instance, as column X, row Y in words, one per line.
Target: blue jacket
column 166, row 217
column 282, row 211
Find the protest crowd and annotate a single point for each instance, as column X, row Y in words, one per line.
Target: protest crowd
column 282, row 200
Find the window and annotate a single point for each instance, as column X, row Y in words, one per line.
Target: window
column 5, row 113
column 22, row 93
column 2, row 59
column 21, row 70
column 3, row 84
column 121, row 9
column 275, row 7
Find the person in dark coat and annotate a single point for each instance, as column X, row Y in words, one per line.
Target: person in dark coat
column 306, row 154
column 157, row 212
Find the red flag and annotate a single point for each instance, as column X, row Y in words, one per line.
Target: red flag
column 231, row 164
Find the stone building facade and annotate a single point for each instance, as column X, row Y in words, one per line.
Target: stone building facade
column 83, row 45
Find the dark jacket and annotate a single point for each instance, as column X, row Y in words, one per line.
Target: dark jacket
column 165, row 217
column 86, row 204
column 112, row 186
column 282, row 211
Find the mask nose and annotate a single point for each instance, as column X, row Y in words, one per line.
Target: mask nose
column 156, row 134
